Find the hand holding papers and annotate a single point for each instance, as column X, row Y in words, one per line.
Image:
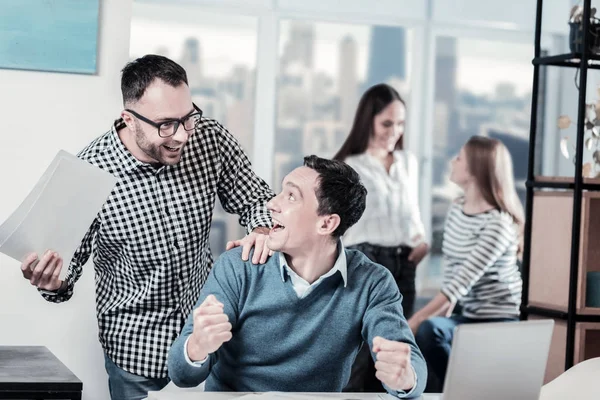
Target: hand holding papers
column 43, row 273
column 57, row 212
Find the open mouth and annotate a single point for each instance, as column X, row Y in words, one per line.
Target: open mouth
column 277, row 227
column 172, row 149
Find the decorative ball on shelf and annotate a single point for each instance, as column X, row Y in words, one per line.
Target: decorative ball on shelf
column 564, row 121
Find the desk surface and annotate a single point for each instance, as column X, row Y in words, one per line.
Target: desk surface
column 34, row 368
column 194, row 394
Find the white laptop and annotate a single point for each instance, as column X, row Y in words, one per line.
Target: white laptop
column 498, row 361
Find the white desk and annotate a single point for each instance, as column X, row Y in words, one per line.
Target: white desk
column 195, row 394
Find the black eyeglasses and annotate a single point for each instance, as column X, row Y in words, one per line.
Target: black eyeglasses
column 168, row 128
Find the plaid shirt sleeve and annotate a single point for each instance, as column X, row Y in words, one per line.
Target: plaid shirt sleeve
column 240, row 190
column 81, row 256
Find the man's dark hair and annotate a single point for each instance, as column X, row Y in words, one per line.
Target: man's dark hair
column 340, row 191
column 138, row 74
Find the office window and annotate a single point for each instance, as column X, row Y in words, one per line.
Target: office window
column 218, row 53
column 323, row 70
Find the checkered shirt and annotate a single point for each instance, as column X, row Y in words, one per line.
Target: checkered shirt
column 150, row 241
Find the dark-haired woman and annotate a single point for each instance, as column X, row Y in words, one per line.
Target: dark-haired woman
column 390, row 231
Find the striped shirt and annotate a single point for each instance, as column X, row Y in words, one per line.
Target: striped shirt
column 480, row 263
column 392, row 216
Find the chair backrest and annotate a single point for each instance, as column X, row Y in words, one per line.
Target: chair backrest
column 581, row 382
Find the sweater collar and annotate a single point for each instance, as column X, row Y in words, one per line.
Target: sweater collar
column 340, row 264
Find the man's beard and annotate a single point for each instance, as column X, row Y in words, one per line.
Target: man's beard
column 153, row 150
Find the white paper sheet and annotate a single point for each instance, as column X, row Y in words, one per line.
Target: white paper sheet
column 58, row 211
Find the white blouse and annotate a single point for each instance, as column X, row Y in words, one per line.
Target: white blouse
column 392, row 215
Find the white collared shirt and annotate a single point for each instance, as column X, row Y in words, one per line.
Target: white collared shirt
column 301, row 286
column 392, row 216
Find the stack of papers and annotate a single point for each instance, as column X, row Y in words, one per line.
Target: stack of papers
column 58, row 211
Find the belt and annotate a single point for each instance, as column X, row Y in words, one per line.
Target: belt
column 398, row 250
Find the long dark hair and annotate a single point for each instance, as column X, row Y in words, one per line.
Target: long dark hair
column 371, row 103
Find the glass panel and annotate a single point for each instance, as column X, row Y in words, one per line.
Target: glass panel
column 324, row 69
column 507, row 14
column 481, row 88
column 408, row 9
column 219, row 54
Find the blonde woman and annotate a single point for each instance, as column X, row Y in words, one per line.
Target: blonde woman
column 482, row 242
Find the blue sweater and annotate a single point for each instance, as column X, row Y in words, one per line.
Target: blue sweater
column 283, row 343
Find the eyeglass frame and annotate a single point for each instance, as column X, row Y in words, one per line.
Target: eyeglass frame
column 178, row 121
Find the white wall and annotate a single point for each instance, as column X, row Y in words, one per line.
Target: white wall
column 42, row 113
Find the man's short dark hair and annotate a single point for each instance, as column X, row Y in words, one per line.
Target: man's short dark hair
column 138, row 74
column 340, row 191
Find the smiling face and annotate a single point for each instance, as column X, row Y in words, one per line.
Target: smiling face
column 159, row 103
column 388, row 127
column 294, row 213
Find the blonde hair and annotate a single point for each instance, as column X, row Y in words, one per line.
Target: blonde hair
column 494, row 177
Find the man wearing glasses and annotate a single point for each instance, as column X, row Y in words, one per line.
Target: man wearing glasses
column 151, row 239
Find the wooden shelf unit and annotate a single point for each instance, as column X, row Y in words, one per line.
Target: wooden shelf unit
column 551, row 249
column 587, row 345
column 565, row 179
column 562, row 234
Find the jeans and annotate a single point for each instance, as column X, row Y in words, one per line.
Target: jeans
column 395, row 259
column 434, row 338
column 123, row 385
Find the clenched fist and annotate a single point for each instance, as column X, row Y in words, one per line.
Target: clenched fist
column 393, row 364
column 211, row 329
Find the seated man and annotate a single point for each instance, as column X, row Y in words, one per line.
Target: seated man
column 296, row 323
